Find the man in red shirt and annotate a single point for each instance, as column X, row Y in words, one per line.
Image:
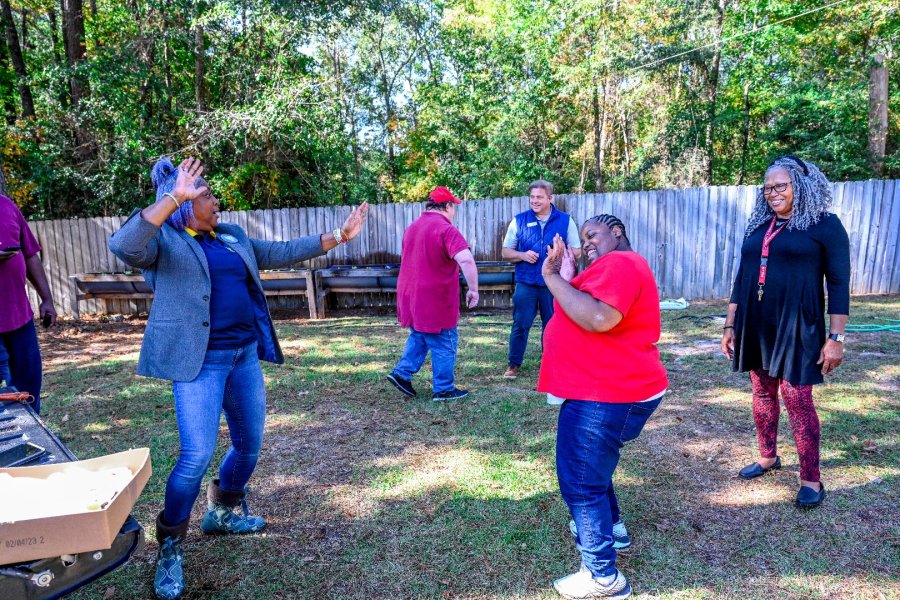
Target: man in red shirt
column 20, row 259
column 432, row 255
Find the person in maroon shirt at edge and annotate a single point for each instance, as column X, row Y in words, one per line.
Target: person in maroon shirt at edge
column 20, row 260
column 432, row 255
column 775, row 326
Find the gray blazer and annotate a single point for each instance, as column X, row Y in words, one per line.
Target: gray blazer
column 175, row 267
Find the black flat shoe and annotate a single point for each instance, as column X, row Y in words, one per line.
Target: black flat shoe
column 810, row 498
column 755, row 470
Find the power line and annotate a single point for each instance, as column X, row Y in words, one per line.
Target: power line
column 740, row 35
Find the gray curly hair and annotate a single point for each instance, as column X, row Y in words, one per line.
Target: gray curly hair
column 812, row 196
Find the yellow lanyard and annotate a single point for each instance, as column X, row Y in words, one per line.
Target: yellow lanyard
column 193, row 233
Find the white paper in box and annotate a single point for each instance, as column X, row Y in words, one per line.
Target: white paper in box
column 31, row 539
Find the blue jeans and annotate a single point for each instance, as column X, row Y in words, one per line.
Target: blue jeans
column 443, row 357
column 588, row 443
column 527, row 300
column 229, row 380
column 25, row 371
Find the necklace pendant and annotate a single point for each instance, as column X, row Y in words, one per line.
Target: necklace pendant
column 759, row 294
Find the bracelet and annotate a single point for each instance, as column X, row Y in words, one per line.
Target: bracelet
column 173, row 198
column 728, row 327
column 338, row 236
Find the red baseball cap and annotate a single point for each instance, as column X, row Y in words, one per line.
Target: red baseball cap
column 440, row 194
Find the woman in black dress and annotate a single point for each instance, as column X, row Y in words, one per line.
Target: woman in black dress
column 775, row 327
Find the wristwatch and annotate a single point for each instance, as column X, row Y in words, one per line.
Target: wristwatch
column 838, row 337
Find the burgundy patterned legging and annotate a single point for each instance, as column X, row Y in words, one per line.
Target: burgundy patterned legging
column 801, row 414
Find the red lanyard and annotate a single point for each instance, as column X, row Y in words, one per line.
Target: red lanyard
column 764, row 261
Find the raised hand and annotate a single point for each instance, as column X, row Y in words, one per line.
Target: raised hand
column 185, row 183
column 353, row 225
column 554, row 260
column 568, row 268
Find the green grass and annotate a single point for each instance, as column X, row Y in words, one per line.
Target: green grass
column 372, row 495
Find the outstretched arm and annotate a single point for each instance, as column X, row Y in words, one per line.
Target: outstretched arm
column 275, row 255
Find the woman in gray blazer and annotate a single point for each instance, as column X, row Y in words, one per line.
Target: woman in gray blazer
column 209, row 325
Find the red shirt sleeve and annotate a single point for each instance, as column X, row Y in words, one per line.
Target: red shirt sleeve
column 615, row 282
column 454, row 242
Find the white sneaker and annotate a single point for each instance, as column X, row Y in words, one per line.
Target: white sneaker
column 554, row 400
column 621, row 539
column 583, row 586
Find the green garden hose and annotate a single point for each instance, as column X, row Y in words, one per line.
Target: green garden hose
column 893, row 327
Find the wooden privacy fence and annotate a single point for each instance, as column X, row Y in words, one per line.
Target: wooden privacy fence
column 691, row 237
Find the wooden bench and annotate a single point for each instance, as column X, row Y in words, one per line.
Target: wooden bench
column 382, row 279
column 131, row 286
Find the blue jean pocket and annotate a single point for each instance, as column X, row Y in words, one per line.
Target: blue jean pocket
column 637, row 417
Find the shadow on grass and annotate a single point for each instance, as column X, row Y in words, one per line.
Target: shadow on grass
column 370, row 495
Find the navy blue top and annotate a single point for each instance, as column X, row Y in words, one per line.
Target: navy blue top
column 231, row 317
column 533, row 235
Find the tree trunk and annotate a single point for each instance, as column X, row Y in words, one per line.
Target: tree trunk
column 599, row 137
column 54, row 34
column 9, row 104
column 167, row 66
column 878, row 114
column 713, row 89
column 73, row 23
column 199, row 69
column 626, row 145
column 18, row 61
column 4, row 188
column 745, row 135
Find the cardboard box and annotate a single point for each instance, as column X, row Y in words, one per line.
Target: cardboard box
column 32, row 539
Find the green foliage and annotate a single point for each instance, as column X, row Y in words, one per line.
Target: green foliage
column 318, row 103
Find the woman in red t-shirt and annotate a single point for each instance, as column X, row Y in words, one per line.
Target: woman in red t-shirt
column 600, row 353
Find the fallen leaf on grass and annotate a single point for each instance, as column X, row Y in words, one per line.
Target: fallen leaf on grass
column 65, row 419
column 869, row 446
column 97, row 437
column 109, row 593
column 662, row 526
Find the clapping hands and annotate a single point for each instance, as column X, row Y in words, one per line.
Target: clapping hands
column 560, row 260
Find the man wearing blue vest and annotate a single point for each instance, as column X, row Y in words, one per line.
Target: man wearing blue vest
column 525, row 245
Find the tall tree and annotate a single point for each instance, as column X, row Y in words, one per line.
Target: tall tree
column 73, row 23
column 17, row 59
column 713, row 85
column 4, row 188
column 199, row 69
column 878, row 114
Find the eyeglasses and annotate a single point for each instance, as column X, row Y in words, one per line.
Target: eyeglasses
column 778, row 187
